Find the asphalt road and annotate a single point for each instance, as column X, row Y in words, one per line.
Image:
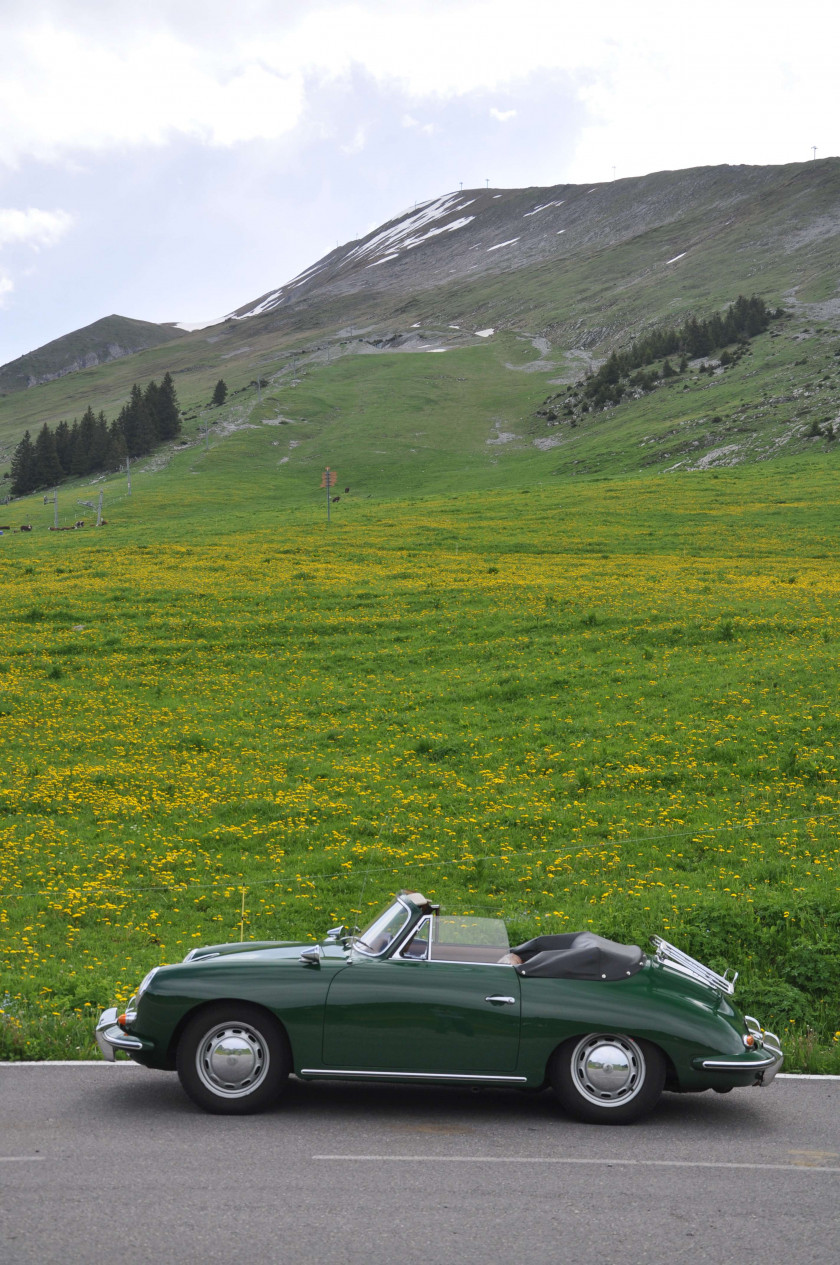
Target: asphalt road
column 112, row 1163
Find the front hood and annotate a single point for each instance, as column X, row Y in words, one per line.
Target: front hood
column 273, row 949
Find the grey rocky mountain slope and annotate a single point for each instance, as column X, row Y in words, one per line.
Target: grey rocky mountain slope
column 107, row 339
column 469, row 238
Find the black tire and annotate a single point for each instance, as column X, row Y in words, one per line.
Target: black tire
column 233, row 1059
column 607, row 1078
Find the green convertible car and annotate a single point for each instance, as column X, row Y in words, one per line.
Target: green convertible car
column 420, row 996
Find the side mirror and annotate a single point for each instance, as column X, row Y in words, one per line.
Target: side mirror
column 311, row 957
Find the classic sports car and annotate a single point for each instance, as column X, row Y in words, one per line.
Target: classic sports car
column 420, row 996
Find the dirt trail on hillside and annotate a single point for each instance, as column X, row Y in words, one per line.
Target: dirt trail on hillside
column 543, row 346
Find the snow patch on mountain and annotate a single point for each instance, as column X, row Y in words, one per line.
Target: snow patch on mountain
column 414, row 229
column 191, row 326
column 544, row 207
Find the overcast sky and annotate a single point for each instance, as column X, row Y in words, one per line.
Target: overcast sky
column 172, row 159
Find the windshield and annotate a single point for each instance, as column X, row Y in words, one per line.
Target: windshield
column 383, row 931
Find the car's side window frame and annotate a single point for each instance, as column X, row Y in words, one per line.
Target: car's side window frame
column 401, row 952
column 427, row 923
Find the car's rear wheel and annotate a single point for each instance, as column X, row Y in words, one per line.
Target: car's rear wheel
column 233, row 1059
column 607, row 1078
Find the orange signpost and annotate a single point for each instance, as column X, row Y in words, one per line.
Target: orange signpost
column 328, row 479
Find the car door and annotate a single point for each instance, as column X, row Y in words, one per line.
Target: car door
column 423, row 1016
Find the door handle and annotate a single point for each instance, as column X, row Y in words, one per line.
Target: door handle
column 497, row 1000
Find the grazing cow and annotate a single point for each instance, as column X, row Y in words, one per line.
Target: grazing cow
column 80, row 523
column 346, row 490
column 26, row 527
column 335, row 499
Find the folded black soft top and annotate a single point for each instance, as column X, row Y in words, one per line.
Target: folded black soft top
column 579, row 955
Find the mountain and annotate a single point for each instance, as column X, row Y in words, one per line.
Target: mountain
column 626, row 250
column 520, row 292
column 107, row 339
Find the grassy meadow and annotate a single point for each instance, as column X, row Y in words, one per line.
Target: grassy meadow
column 605, row 703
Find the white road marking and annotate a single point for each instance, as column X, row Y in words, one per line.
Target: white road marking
column 69, row 1063
column 601, row 1162
column 803, row 1076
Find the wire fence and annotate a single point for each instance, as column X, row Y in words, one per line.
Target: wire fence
column 359, row 866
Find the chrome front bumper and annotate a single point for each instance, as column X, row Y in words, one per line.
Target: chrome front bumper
column 110, row 1037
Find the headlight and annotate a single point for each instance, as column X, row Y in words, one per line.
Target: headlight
column 146, row 982
column 127, row 1019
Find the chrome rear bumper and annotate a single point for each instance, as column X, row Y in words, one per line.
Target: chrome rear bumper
column 110, row 1037
column 773, row 1047
column 765, row 1067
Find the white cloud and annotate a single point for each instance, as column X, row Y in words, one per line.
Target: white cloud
column 644, row 98
column 428, row 129
column 357, row 143
column 503, row 116
column 32, row 227
column 62, row 91
column 96, row 76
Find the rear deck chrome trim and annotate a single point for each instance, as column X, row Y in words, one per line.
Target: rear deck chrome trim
column 669, row 955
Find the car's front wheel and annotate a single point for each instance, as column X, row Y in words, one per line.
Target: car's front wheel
column 607, row 1078
column 233, row 1059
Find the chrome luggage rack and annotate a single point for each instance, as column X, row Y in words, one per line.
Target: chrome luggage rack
column 666, row 952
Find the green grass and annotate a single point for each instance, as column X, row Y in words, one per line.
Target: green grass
column 600, row 702
column 467, row 418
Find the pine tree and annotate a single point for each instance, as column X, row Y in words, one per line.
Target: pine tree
column 23, row 467
column 168, row 412
column 137, row 424
column 151, row 400
column 83, row 448
column 220, row 392
column 125, row 424
column 99, row 443
column 117, row 450
column 145, row 433
column 73, row 444
column 63, row 447
column 47, row 467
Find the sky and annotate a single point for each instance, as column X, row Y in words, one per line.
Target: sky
column 174, row 159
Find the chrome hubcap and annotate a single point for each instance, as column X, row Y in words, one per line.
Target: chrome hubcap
column 232, row 1060
column 608, row 1070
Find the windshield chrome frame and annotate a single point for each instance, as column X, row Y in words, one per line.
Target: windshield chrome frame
column 398, row 940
